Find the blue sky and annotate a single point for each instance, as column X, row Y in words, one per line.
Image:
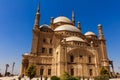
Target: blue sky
column 17, row 19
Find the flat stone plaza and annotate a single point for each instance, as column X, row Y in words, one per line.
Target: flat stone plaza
column 26, row 78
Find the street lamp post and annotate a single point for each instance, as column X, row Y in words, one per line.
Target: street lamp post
column 13, row 67
column 119, row 69
column 7, row 65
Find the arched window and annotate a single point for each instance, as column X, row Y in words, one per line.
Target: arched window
column 81, row 56
column 44, row 40
column 72, row 71
column 49, row 71
column 43, row 50
column 90, row 72
column 50, row 50
column 50, row 41
column 41, row 70
column 71, row 58
column 89, row 59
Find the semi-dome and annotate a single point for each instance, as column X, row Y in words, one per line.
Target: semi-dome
column 74, row 38
column 62, row 19
column 67, row 27
column 89, row 33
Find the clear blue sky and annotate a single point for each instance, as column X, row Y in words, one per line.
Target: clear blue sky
column 17, row 19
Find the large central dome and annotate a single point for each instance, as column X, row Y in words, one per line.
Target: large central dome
column 62, row 19
column 67, row 27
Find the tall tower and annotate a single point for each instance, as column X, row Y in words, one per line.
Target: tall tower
column 101, row 36
column 37, row 18
column 36, row 32
column 105, row 60
column 73, row 18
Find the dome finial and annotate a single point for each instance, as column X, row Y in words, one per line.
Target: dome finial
column 73, row 17
column 79, row 26
column 73, row 14
column 88, row 29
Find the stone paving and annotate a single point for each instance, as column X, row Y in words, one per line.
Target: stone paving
column 26, row 78
column 16, row 78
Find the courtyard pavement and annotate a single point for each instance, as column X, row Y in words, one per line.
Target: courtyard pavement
column 26, row 78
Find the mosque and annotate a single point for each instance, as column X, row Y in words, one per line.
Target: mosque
column 62, row 47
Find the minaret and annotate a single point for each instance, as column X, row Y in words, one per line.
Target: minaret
column 35, row 40
column 52, row 19
column 37, row 18
column 79, row 26
column 73, row 18
column 51, row 22
column 101, row 36
column 104, row 59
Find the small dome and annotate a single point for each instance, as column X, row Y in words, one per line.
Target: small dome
column 89, row 33
column 67, row 28
column 73, row 38
column 44, row 25
column 45, row 28
column 99, row 25
column 62, row 19
column 26, row 53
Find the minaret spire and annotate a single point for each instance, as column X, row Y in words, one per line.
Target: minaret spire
column 79, row 26
column 73, row 18
column 37, row 18
column 38, row 9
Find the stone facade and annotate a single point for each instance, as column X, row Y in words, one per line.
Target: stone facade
column 61, row 47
